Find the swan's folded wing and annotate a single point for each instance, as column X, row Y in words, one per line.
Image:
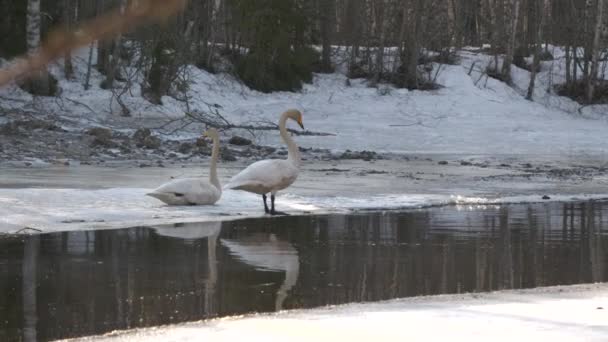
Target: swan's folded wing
column 187, row 191
column 264, row 175
column 179, row 186
column 206, row 193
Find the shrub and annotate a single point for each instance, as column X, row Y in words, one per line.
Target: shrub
column 496, row 74
column 277, row 58
column 578, row 92
column 286, row 72
column 399, row 79
column 357, row 70
column 443, row 57
column 40, row 84
column 520, row 61
column 546, row 56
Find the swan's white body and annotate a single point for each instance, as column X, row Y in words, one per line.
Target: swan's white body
column 265, row 176
column 193, row 191
column 272, row 175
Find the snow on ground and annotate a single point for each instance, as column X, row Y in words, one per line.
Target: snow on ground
column 76, row 198
column 469, row 116
column 50, row 210
column 562, row 313
column 465, row 116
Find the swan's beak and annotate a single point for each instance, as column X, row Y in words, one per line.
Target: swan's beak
column 301, row 124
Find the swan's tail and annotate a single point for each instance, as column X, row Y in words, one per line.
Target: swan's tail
column 161, row 196
column 232, row 184
column 153, row 194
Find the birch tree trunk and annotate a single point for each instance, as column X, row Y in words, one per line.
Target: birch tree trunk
column 506, row 64
column 402, row 27
column 353, row 12
column 595, row 50
column 325, row 9
column 568, row 64
column 87, row 79
column 537, row 49
column 494, row 24
column 413, row 44
column 588, row 43
column 68, row 67
column 214, row 9
column 114, row 63
column 381, row 27
column 39, row 83
column 104, row 48
column 33, row 25
column 456, row 32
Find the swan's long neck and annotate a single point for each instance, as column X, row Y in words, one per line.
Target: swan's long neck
column 293, row 153
column 213, row 167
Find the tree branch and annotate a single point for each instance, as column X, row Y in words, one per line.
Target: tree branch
column 106, row 26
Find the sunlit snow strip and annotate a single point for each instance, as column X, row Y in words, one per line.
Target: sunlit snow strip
column 71, row 209
column 414, row 201
column 562, row 313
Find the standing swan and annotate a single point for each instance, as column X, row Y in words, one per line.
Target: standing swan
column 272, row 175
column 194, row 191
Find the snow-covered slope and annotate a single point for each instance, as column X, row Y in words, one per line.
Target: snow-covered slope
column 470, row 114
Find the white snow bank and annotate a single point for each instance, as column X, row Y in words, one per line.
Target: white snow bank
column 466, row 116
column 563, row 313
column 76, row 209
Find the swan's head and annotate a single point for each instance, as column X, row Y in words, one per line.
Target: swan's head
column 211, row 133
column 295, row 115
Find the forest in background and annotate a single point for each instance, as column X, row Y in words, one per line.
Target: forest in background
column 269, row 44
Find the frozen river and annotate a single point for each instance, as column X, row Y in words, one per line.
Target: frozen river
column 80, row 283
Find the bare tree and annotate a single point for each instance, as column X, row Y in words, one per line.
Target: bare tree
column 380, row 9
column 67, row 10
column 595, row 50
column 325, row 9
column 538, row 43
column 39, row 83
column 114, row 62
column 514, row 18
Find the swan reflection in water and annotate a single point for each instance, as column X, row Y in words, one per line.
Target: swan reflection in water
column 197, row 231
column 267, row 252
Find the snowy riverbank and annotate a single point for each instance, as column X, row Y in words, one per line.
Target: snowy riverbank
column 475, row 140
column 64, row 198
column 561, row 313
column 470, row 114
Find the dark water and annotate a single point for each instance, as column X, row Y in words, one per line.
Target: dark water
column 81, row 283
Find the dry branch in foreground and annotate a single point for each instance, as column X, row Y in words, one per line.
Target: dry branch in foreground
column 106, row 26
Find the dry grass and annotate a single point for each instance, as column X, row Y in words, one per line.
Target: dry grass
column 103, row 27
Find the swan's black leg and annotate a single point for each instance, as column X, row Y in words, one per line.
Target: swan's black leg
column 272, row 204
column 272, row 211
column 265, row 205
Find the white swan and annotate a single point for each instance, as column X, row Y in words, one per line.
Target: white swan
column 272, row 175
column 194, row 191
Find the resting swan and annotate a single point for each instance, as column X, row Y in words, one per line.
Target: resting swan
column 194, row 191
column 272, row 175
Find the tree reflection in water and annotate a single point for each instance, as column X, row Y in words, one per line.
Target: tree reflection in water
column 81, row 283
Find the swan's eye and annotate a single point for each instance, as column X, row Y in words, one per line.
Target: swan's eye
column 177, row 194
